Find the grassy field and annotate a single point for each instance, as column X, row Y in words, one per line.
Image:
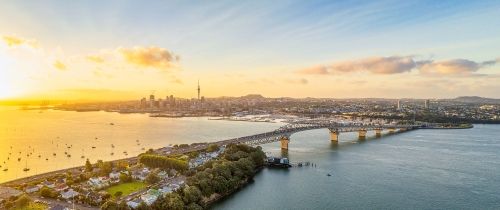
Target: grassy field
column 33, row 206
column 126, row 188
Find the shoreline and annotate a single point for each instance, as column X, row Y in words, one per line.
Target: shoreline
column 77, row 169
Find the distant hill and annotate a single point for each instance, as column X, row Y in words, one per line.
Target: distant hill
column 476, row 99
column 252, row 96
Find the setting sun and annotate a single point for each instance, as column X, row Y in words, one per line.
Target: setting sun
column 249, row 104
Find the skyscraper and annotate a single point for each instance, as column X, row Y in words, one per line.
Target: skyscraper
column 427, row 103
column 151, row 100
column 399, row 105
column 199, row 89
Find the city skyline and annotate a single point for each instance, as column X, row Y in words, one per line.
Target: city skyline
column 123, row 50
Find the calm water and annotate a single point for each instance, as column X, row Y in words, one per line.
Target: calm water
column 51, row 131
column 423, row 169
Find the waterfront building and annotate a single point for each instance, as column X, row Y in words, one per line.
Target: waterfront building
column 142, row 103
column 151, row 101
column 32, row 189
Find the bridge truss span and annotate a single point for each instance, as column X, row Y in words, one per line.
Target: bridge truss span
column 283, row 133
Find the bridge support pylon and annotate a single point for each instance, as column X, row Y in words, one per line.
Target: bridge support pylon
column 378, row 132
column 362, row 133
column 284, row 142
column 334, row 135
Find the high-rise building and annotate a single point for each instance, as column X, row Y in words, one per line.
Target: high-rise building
column 143, row 103
column 399, row 104
column 199, row 89
column 151, row 100
column 427, row 104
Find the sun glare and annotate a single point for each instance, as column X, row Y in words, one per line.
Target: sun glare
column 7, row 89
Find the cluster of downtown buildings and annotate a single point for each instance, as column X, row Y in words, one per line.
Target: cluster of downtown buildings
column 170, row 106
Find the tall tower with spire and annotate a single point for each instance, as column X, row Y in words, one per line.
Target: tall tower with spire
column 199, row 89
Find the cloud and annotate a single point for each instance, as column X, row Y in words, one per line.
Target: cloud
column 176, row 81
column 457, row 67
column 59, row 65
column 376, row 65
column 149, row 57
column 400, row 64
column 95, row 58
column 321, row 70
column 13, row 41
column 301, row 81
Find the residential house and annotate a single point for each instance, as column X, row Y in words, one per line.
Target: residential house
column 49, row 184
column 32, row 189
column 134, row 203
column 68, row 194
column 150, row 196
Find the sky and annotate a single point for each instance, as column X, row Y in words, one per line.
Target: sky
column 115, row 50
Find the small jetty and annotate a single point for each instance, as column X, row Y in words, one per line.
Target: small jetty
column 275, row 162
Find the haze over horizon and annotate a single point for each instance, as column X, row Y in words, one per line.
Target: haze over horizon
column 121, row 50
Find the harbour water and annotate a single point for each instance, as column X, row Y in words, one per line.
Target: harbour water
column 422, row 169
column 43, row 133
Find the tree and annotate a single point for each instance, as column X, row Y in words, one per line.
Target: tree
column 171, row 201
column 109, row 205
column 158, row 161
column 124, row 178
column 112, row 205
column 122, row 165
column 23, row 201
column 48, row 192
column 143, row 206
column 191, row 194
column 118, row 193
column 212, row 148
column 194, row 206
column 88, row 166
column 152, row 178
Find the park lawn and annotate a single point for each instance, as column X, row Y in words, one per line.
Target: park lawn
column 33, row 206
column 126, row 188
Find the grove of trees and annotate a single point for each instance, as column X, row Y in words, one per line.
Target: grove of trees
column 158, row 161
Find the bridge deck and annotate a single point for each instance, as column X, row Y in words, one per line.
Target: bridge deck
column 289, row 129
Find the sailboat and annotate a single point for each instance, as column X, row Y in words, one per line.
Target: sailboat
column 26, row 166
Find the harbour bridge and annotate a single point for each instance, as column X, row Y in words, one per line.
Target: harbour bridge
column 283, row 133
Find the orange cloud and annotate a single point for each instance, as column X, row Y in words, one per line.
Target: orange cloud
column 12, row 41
column 376, row 65
column 300, row 81
column 457, row 67
column 149, row 57
column 401, row 64
column 59, row 65
column 95, row 58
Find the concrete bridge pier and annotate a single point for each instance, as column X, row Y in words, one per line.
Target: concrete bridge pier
column 284, row 142
column 362, row 133
column 334, row 135
column 378, row 132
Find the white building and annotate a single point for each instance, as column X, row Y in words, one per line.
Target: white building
column 69, row 194
column 32, row 189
